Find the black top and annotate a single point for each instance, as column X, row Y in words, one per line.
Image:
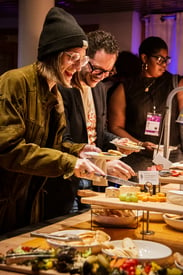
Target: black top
column 139, row 103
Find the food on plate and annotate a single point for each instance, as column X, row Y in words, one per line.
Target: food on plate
column 128, row 249
column 112, row 192
column 111, row 153
column 88, row 238
column 114, row 212
column 94, row 237
column 116, row 218
column 69, row 260
column 126, row 143
column 114, row 152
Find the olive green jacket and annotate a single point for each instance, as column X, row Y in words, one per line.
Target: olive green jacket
column 32, row 123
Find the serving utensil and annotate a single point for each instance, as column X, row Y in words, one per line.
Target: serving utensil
column 64, row 237
column 20, row 258
column 118, row 180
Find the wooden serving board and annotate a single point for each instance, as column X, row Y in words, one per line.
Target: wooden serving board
column 115, row 203
column 22, row 269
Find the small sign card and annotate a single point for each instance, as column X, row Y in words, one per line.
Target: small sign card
column 159, row 159
column 148, row 177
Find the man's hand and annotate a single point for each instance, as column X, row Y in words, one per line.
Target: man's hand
column 88, row 148
column 84, row 168
column 119, row 169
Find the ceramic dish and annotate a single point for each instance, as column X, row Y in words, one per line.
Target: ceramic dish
column 173, row 221
column 178, row 265
column 148, row 250
column 76, row 244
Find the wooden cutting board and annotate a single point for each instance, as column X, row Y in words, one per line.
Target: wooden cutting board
column 115, row 203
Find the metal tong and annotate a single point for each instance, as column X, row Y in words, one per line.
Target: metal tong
column 64, row 237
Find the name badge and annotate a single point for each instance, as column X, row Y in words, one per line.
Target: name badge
column 153, row 122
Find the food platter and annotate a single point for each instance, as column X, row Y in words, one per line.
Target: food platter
column 93, row 239
column 128, row 146
column 103, row 155
column 148, row 250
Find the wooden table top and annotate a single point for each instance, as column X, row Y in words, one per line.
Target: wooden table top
column 162, row 234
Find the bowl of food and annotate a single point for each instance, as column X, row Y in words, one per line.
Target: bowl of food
column 175, row 197
column 174, row 221
column 116, row 218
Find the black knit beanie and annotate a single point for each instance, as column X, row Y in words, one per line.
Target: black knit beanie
column 60, row 32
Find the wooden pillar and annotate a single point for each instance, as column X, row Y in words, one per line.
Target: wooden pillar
column 31, row 17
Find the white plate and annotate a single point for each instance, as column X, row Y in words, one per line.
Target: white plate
column 147, row 250
column 128, row 147
column 58, row 243
column 106, row 156
column 178, row 265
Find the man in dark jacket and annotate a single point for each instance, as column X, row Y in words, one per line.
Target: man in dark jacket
column 85, row 103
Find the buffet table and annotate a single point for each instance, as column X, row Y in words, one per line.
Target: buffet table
column 163, row 234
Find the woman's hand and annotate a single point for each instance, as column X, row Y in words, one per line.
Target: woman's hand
column 88, row 148
column 84, row 168
column 149, row 145
column 119, row 169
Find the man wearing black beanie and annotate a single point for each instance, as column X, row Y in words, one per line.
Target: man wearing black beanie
column 32, row 123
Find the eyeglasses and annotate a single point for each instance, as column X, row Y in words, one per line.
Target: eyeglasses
column 160, row 59
column 75, row 57
column 98, row 72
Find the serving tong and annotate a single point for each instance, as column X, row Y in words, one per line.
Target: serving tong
column 64, row 237
column 14, row 258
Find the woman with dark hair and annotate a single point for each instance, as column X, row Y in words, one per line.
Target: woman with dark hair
column 136, row 107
